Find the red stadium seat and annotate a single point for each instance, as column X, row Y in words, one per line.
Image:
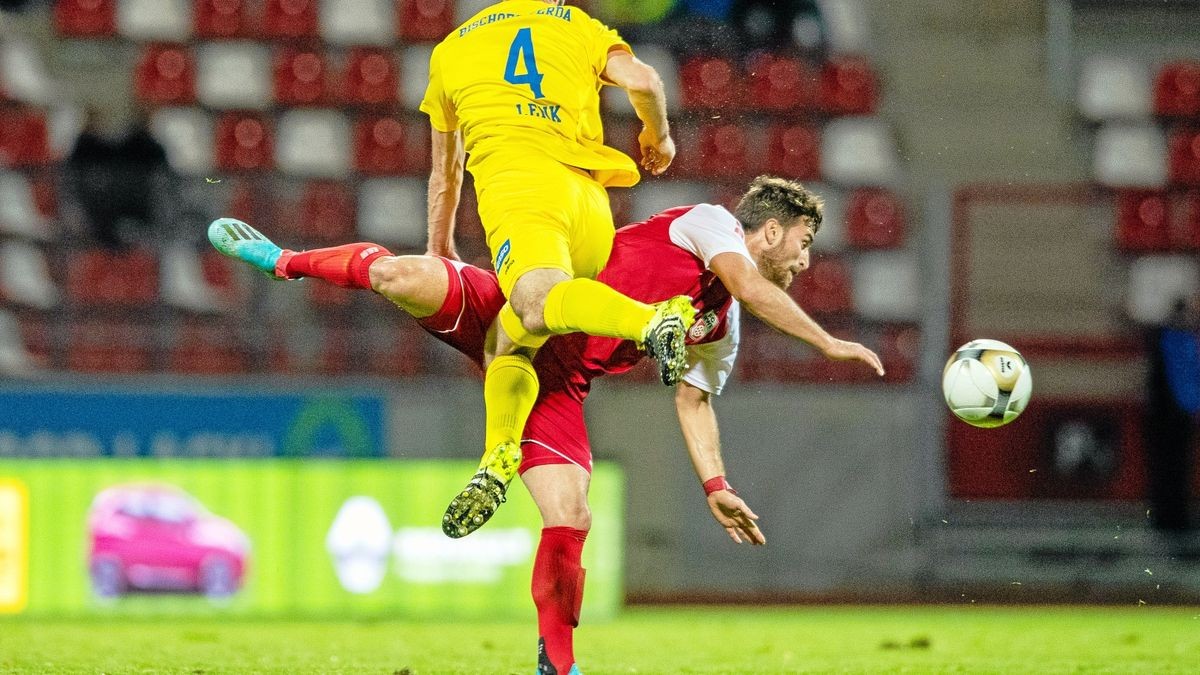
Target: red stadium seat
column 395, row 350
column 794, row 151
column 899, row 349
column 99, row 346
column 1143, row 220
column 208, row 348
column 244, row 143
column 1177, row 89
column 710, row 82
column 874, row 219
column 105, row 279
column 301, row 77
column 781, row 83
column 216, row 19
column 1183, row 157
column 372, row 78
column 387, row 146
column 848, row 87
column 1185, row 221
column 327, row 213
column 24, row 138
column 725, row 150
column 825, row 288
column 85, row 18
column 291, row 19
column 165, row 75
column 425, row 20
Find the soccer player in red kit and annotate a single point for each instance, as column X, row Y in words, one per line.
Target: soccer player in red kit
column 722, row 260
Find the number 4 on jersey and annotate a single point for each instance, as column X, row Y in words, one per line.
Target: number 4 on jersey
column 522, row 50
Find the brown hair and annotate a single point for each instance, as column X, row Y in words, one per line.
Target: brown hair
column 779, row 198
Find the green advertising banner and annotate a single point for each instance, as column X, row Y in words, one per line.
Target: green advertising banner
column 277, row 537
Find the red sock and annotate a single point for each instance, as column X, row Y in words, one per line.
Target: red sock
column 558, row 591
column 346, row 266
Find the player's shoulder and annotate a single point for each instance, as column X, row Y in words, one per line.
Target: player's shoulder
column 707, row 213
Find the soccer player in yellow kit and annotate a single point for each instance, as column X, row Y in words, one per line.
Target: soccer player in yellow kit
column 517, row 88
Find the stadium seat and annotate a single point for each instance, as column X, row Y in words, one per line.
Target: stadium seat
column 358, row 22
column 425, row 20
column 222, row 19
column 826, row 287
column 1143, row 220
column 1177, row 89
column 650, row 198
column 846, row 29
column 394, row 350
column 64, row 124
column 291, row 19
column 85, row 18
column 234, row 75
column 103, row 278
column 244, row 143
column 388, row 146
column 25, row 276
column 313, row 142
column 391, row 211
column 1130, row 155
column 182, row 284
column 875, row 219
column 155, row 20
column 187, row 135
column 23, row 75
column 207, row 348
column 1184, row 157
column 109, row 346
column 465, row 9
column 327, row 298
column 848, row 87
column 726, row 150
column 414, row 64
column 15, row 357
column 859, row 151
column 887, row 286
column 24, row 138
column 794, row 151
column 326, row 213
column 710, row 82
column 371, row 78
column 899, row 350
column 20, row 215
column 663, row 61
column 1156, row 282
column 1113, row 87
column 1185, row 222
column 301, row 77
column 165, row 75
column 781, row 83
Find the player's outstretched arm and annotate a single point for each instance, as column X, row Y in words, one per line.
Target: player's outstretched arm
column 699, row 425
column 445, row 191
column 645, row 90
column 773, row 305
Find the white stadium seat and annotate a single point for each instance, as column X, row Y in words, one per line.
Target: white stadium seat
column 358, row 22
column 1112, row 87
column 1156, row 282
column 887, row 286
column 662, row 61
column 187, row 135
column 650, row 198
column 14, row 357
column 465, row 9
column 234, row 75
column 846, row 27
column 18, row 213
column 1130, row 155
column 313, row 143
column 859, row 151
column 23, row 74
column 392, row 211
column 25, row 276
column 414, row 74
column 832, row 235
column 155, row 20
column 65, row 124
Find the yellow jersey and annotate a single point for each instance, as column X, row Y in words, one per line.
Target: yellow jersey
column 523, row 76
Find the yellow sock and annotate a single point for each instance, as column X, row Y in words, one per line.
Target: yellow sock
column 587, row 306
column 509, row 391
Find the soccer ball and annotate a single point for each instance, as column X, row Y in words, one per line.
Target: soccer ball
column 987, row 383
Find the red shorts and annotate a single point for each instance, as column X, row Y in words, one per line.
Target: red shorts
column 555, row 432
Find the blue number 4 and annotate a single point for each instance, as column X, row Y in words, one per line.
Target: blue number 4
column 522, row 49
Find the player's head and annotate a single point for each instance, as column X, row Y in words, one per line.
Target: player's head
column 780, row 217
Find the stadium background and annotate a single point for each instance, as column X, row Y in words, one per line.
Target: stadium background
column 1028, row 171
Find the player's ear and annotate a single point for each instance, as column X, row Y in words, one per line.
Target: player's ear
column 772, row 231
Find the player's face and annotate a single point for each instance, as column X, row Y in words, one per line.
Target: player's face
column 790, row 256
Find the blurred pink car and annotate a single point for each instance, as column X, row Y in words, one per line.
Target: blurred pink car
column 156, row 537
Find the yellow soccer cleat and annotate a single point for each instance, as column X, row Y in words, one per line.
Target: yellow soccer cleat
column 665, row 335
column 485, row 492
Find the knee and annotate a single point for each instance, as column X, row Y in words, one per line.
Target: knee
column 395, row 276
column 530, row 308
column 576, row 516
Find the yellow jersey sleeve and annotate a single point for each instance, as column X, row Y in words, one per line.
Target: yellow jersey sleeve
column 436, row 104
column 604, row 41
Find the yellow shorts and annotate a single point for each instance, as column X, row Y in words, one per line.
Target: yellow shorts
column 540, row 213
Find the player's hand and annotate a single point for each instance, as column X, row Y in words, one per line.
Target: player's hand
column 443, row 252
column 842, row 350
column 657, row 153
column 737, row 518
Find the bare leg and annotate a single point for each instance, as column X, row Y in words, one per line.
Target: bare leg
column 415, row 283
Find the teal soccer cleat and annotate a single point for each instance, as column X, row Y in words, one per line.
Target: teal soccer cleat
column 238, row 240
column 547, row 668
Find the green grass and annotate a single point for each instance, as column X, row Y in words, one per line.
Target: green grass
column 966, row 639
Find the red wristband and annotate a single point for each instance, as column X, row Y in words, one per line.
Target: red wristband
column 717, row 484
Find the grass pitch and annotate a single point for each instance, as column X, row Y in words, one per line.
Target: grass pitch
column 966, row 639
